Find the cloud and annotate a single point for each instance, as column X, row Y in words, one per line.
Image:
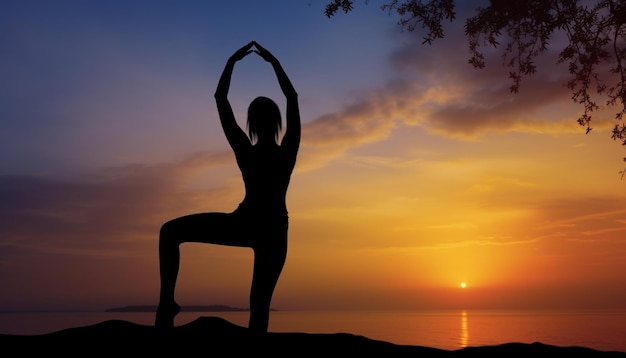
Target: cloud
column 474, row 102
column 584, row 218
column 436, row 88
column 109, row 212
column 368, row 119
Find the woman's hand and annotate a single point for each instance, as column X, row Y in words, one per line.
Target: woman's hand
column 224, row 83
column 265, row 54
column 242, row 52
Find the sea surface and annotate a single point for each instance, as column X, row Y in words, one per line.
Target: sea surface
column 451, row 330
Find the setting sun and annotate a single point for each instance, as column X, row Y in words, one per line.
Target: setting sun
column 463, row 285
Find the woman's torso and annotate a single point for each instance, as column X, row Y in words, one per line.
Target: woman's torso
column 266, row 174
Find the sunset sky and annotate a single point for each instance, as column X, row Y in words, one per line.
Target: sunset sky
column 416, row 172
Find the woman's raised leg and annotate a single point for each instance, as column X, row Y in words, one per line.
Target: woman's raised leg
column 217, row 228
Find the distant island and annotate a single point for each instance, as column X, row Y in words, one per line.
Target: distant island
column 196, row 308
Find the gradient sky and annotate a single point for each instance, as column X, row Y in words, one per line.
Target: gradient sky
column 416, row 172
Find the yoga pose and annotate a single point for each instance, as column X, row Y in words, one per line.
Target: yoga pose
column 260, row 222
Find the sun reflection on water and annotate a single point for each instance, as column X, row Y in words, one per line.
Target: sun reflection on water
column 464, row 337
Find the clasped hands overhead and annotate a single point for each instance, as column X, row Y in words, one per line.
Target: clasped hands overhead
column 258, row 49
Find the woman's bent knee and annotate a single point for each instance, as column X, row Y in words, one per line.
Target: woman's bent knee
column 168, row 234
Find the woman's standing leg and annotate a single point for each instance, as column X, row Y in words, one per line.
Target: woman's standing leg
column 268, row 264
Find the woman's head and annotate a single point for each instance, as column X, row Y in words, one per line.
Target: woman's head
column 264, row 119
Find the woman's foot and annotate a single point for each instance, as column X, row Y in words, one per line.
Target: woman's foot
column 165, row 315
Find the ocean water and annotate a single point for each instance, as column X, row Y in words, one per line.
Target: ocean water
column 451, row 330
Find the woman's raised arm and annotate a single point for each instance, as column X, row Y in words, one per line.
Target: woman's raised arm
column 235, row 135
column 292, row 133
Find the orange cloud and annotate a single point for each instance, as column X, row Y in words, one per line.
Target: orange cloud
column 437, row 89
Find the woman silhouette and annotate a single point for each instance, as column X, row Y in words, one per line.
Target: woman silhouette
column 260, row 222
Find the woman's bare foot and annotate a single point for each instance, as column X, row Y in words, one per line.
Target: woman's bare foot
column 165, row 315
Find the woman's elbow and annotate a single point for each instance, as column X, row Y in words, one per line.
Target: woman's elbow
column 220, row 96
